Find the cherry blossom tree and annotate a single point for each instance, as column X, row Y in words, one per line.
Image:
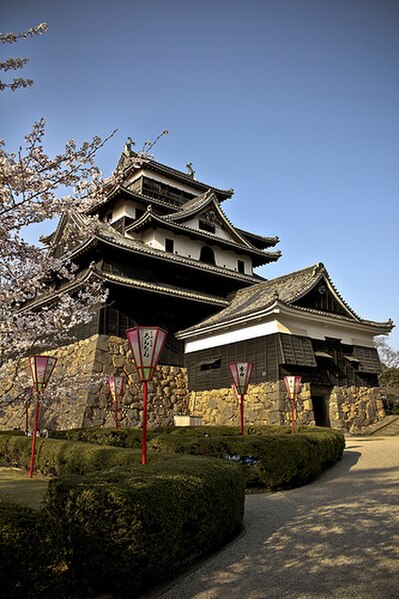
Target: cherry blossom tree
column 13, row 64
column 389, row 378
column 41, row 300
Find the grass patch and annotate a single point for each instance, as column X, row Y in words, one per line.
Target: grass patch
column 16, row 487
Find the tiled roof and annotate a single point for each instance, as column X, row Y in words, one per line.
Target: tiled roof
column 287, row 290
column 149, row 217
column 151, row 164
column 107, row 234
column 134, row 195
column 259, row 241
column 162, row 289
column 193, row 206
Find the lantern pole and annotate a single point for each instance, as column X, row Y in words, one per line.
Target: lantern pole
column 241, row 373
column 116, row 415
column 32, row 455
column 116, row 386
column 144, row 435
column 292, row 414
column 41, row 368
column 241, row 414
column 146, row 344
column 292, row 384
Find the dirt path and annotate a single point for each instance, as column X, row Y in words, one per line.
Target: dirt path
column 335, row 538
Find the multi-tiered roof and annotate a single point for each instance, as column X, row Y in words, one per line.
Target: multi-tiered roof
column 163, row 246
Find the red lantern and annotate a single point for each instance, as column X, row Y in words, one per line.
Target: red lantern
column 41, row 368
column 146, row 344
column 241, row 373
column 116, row 386
column 292, row 384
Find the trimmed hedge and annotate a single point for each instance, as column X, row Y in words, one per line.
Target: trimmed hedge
column 111, row 525
column 274, row 458
column 128, row 529
column 31, row 554
column 104, row 436
column 124, row 527
column 274, row 461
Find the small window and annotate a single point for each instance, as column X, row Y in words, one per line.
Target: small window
column 211, row 364
column 207, row 255
column 169, row 245
column 241, row 266
column 206, row 226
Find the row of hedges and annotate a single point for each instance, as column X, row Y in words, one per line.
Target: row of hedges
column 273, row 457
column 108, row 524
column 132, row 437
column 274, row 461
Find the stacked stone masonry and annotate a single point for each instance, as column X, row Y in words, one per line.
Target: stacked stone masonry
column 351, row 409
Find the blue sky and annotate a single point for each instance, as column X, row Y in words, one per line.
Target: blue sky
column 293, row 103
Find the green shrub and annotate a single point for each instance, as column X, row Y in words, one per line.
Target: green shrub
column 57, row 457
column 111, row 525
column 270, row 460
column 129, row 528
column 125, row 526
column 103, row 436
column 31, row 554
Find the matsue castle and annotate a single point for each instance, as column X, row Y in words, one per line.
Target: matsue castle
column 169, row 256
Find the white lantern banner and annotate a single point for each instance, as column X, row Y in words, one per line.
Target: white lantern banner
column 241, row 373
column 146, row 344
column 41, row 368
column 292, row 385
column 116, row 386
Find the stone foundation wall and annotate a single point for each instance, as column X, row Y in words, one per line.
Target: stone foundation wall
column 83, row 405
column 351, row 409
column 266, row 403
column 75, row 363
column 167, row 392
column 355, row 408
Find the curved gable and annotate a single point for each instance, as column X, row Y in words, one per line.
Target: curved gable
column 322, row 297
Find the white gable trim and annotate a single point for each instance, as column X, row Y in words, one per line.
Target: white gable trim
column 285, row 320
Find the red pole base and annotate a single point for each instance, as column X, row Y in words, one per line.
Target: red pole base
column 144, row 437
column 241, row 415
column 32, row 455
column 293, row 415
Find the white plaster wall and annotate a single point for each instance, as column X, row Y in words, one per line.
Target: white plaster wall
column 125, row 208
column 189, row 248
column 219, row 232
column 317, row 329
column 226, row 338
column 281, row 324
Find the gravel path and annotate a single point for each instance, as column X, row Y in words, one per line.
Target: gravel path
column 335, row 538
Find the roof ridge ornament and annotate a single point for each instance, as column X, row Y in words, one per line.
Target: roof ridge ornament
column 191, row 171
column 127, row 148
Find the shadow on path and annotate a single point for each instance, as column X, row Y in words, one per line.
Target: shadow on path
column 336, row 537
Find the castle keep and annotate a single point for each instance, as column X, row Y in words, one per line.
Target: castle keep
column 170, row 256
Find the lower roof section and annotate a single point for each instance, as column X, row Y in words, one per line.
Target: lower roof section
column 159, row 289
column 283, row 319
